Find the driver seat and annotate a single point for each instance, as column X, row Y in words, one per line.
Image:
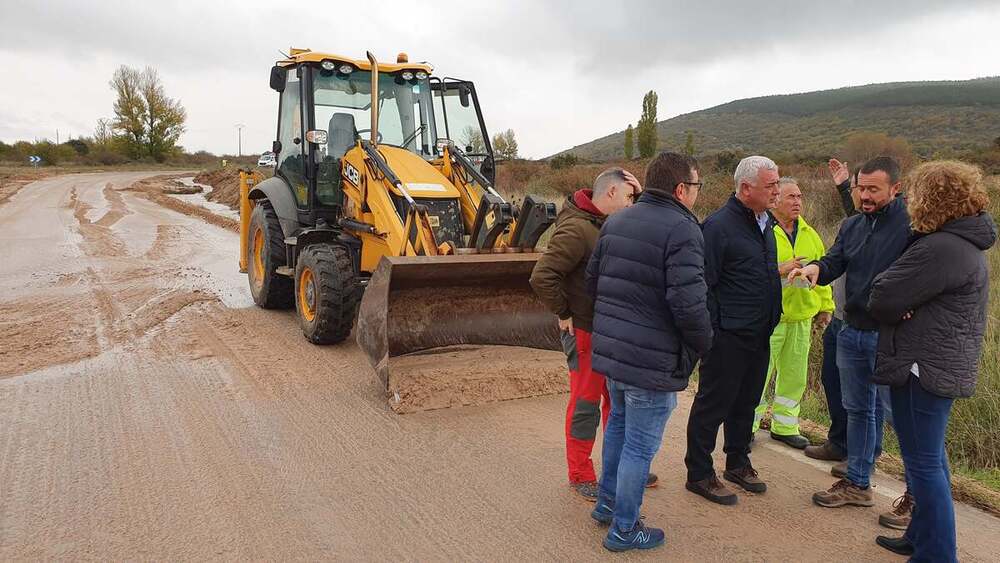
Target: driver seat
column 341, row 135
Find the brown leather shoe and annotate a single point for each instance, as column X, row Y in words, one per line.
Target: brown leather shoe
column 840, row 470
column 747, row 478
column 713, row 490
column 899, row 517
column 826, row 452
column 844, row 493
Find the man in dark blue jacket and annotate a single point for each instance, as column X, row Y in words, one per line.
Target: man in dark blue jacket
column 744, row 299
column 866, row 245
column 651, row 326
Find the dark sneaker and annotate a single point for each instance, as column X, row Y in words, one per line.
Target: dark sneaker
column 902, row 546
column 652, row 481
column 826, row 452
column 747, row 478
column 840, row 470
column 797, row 441
column 713, row 490
column 640, row 537
column 844, row 493
column 587, row 490
column 603, row 513
column 899, row 517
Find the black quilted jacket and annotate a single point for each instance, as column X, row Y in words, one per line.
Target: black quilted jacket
column 943, row 278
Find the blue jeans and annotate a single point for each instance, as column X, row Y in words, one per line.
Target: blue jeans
column 921, row 421
column 632, row 436
column 866, row 403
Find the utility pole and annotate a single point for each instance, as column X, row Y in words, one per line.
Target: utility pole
column 239, row 139
column 57, row 136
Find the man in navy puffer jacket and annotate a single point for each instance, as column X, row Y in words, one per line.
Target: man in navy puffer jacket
column 744, row 299
column 651, row 325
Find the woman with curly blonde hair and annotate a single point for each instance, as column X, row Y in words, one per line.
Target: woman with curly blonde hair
column 932, row 306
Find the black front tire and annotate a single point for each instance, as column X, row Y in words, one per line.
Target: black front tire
column 265, row 255
column 326, row 293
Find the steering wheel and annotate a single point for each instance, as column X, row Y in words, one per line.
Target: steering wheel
column 378, row 138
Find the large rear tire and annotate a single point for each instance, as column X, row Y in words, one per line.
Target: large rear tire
column 326, row 293
column 266, row 252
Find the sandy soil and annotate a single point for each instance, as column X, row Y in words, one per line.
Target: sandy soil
column 147, row 411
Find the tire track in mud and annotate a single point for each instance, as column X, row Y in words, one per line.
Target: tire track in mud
column 215, row 433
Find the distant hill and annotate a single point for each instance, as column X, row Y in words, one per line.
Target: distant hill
column 930, row 115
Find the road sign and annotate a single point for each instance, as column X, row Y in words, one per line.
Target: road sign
column 34, row 160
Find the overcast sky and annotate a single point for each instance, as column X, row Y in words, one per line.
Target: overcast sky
column 559, row 73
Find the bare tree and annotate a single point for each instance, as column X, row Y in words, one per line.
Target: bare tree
column 103, row 132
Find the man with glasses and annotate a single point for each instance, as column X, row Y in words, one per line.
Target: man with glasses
column 744, row 301
column 558, row 280
column 650, row 328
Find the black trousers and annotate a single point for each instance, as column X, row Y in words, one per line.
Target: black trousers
column 729, row 389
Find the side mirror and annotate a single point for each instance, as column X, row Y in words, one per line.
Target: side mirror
column 278, row 78
column 276, row 148
column 488, row 169
column 463, row 96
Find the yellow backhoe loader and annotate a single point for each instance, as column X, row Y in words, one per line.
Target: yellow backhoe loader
column 384, row 189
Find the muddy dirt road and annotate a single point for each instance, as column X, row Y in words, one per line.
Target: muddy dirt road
column 146, row 411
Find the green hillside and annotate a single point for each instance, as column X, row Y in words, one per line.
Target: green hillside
column 932, row 116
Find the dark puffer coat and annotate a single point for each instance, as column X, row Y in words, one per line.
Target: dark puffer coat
column 647, row 274
column 943, row 278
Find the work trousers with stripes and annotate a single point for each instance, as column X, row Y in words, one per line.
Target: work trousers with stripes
column 788, row 367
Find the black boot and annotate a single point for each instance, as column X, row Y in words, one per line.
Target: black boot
column 902, row 546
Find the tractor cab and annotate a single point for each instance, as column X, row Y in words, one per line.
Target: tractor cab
column 326, row 108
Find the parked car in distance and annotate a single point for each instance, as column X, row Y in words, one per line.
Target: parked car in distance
column 267, row 159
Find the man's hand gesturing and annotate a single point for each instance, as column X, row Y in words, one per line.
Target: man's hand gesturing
column 838, row 171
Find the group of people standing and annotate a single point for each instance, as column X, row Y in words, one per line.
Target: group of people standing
column 644, row 292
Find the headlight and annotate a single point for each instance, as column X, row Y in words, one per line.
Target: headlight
column 345, row 69
column 407, row 75
column 421, row 75
column 328, row 65
column 316, row 136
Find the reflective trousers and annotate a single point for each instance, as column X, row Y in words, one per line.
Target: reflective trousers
column 789, row 366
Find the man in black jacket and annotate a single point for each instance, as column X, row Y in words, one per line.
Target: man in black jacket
column 866, row 245
column 744, row 299
column 650, row 327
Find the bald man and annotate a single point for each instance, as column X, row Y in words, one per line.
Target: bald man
column 558, row 280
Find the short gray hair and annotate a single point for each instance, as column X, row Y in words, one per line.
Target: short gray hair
column 787, row 180
column 748, row 168
column 606, row 179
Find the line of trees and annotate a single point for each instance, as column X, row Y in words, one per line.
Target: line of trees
column 146, row 126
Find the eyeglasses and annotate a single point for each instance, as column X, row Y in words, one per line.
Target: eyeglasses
column 701, row 185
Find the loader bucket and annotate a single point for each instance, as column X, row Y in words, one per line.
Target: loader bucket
column 444, row 331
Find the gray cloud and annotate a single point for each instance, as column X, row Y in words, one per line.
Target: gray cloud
column 558, row 72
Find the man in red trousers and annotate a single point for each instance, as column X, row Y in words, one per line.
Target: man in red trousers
column 558, row 280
